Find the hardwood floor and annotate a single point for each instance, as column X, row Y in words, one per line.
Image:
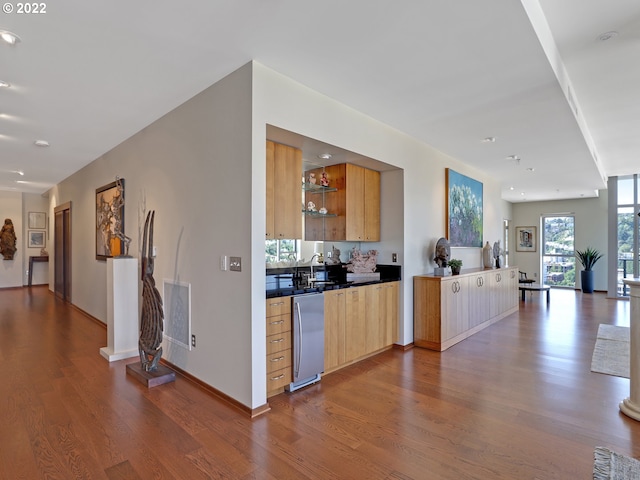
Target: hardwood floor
column 515, row 401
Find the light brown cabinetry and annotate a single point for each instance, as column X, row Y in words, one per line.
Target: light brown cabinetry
column 279, row 355
column 450, row 309
column 356, row 204
column 358, row 322
column 283, row 196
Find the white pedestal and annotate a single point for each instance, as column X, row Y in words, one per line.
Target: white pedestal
column 630, row 406
column 122, row 309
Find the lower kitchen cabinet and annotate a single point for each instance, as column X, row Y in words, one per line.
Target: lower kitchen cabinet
column 449, row 309
column 279, row 354
column 359, row 322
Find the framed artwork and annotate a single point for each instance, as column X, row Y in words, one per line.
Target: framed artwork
column 38, row 220
column 464, row 210
column 526, row 239
column 109, row 219
column 36, row 239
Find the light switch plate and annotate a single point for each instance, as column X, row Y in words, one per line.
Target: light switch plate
column 235, row 264
column 223, row 262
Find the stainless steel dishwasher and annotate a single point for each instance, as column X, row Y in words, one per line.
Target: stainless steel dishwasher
column 308, row 340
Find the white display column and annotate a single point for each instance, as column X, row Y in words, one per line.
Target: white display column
column 630, row 406
column 122, row 309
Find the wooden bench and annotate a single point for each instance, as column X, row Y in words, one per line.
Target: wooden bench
column 534, row 287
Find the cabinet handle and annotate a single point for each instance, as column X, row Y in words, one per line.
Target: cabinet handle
column 278, row 377
column 278, row 340
column 276, row 304
column 277, row 359
column 279, row 322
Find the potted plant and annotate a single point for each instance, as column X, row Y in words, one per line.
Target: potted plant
column 588, row 259
column 455, row 265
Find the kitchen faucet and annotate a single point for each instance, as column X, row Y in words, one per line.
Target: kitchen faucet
column 312, row 276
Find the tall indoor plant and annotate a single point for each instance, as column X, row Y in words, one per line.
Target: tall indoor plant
column 588, row 259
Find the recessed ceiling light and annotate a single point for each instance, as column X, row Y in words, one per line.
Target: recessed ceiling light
column 19, row 172
column 489, row 140
column 9, row 37
column 511, row 188
column 41, row 143
column 522, row 193
column 513, row 157
column 530, row 169
column 607, row 36
column 325, row 156
column 4, row 84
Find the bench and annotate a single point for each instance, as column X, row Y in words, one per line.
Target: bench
column 534, row 287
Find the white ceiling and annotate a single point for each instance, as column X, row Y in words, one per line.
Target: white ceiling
column 89, row 74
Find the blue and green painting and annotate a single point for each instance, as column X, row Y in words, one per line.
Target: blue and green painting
column 465, row 210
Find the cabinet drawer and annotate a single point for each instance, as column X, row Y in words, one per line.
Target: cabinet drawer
column 278, row 379
column 279, row 324
column 278, row 306
column 278, row 343
column 278, row 360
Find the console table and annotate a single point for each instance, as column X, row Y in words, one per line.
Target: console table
column 42, row 258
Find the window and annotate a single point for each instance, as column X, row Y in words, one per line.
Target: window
column 627, row 231
column 280, row 250
column 558, row 259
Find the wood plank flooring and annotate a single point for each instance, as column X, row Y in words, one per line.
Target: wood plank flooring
column 515, row 401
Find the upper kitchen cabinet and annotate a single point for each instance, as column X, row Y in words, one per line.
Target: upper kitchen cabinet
column 284, row 171
column 355, row 204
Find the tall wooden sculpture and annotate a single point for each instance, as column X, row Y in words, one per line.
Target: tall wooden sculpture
column 152, row 316
column 8, row 240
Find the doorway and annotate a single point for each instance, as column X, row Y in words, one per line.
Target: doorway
column 558, row 251
column 62, row 241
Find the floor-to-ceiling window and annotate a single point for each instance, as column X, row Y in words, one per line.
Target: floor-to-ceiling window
column 627, row 231
column 558, row 253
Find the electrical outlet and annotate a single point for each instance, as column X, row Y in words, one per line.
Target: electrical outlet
column 193, row 341
column 235, row 264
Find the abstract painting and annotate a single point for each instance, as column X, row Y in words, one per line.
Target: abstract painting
column 464, row 210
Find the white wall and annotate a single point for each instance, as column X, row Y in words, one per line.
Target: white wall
column 286, row 104
column 590, row 231
column 11, row 272
column 193, row 167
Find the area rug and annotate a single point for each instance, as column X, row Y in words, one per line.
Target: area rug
column 611, row 352
column 610, row 465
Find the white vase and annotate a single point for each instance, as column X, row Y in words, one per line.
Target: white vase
column 487, row 256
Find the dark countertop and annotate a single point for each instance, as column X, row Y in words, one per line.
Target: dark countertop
column 286, row 281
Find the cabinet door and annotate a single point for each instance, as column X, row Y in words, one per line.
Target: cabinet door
column 334, row 328
column 271, row 148
column 479, row 299
column 455, row 317
column 497, row 305
column 355, row 321
column 287, row 192
column 375, row 321
column 391, row 313
column 371, row 205
column 355, row 216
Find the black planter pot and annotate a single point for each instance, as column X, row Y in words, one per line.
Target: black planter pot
column 586, row 277
column 455, row 270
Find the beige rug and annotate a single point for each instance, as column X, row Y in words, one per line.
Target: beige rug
column 609, row 465
column 611, row 352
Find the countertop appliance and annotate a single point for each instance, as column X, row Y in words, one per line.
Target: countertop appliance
column 308, row 340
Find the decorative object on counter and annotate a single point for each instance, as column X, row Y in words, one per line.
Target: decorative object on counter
column 8, row 240
column 588, row 259
column 363, row 262
column 324, row 180
column 152, row 315
column 312, row 178
column 464, row 210
column 311, row 207
column 496, row 253
column 487, row 256
column 455, row 265
column 333, row 257
column 525, row 239
column 118, row 206
column 441, row 256
column 323, row 211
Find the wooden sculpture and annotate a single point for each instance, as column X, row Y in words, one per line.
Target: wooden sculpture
column 8, row 240
column 152, row 316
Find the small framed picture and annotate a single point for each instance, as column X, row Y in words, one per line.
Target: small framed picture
column 526, row 239
column 38, row 220
column 36, row 239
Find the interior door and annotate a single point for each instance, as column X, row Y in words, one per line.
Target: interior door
column 62, row 241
